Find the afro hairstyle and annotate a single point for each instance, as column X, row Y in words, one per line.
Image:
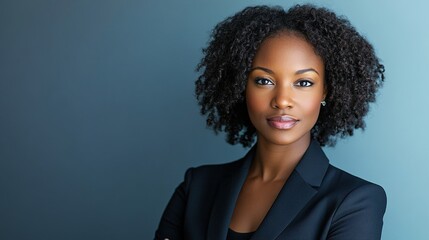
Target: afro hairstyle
column 353, row 73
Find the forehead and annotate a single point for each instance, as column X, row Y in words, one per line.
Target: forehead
column 287, row 49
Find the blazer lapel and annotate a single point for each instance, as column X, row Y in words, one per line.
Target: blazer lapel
column 226, row 198
column 291, row 199
column 300, row 187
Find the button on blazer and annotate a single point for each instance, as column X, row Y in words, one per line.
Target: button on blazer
column 318, row 201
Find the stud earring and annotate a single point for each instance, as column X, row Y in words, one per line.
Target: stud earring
column 323, row 103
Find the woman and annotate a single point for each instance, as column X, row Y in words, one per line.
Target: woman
column 296, row 81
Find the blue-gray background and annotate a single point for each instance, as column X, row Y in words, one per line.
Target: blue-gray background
column 98, row 120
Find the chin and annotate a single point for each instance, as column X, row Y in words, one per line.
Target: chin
column 284, row 140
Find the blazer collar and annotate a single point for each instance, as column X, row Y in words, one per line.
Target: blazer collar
column 226, row 197
column 313, row 165
column 300, row 187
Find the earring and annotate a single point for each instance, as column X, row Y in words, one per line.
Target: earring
column 323, row 103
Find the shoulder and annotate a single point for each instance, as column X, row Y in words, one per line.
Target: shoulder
column 352, row 186
column 210, row 171
column 210, row 174
column 360, row 205
column 197, row 190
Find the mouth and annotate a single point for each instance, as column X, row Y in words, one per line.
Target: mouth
column 283, row 122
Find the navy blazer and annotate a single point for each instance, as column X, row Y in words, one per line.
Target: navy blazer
column 318, row 201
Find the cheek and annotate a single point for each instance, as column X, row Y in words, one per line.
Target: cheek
column 312, row 109
column 254, row 102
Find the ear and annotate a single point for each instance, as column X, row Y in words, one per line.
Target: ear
column 325, row 92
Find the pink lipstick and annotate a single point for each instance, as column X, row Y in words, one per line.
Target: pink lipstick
column 282, row 122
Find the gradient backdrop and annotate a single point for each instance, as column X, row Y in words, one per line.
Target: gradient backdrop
column 98, row 120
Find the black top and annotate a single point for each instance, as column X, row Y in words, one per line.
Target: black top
column 232, row 235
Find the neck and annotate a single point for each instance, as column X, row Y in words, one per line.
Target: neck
column 276, row 162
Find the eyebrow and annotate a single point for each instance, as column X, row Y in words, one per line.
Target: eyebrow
column 297, row 72
column 263, row 69
column 307, row 70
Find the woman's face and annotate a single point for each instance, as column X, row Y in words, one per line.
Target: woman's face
column 284, row 90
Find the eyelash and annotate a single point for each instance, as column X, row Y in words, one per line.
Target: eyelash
column 307, row 82
column 299, row 83
column 263, row 81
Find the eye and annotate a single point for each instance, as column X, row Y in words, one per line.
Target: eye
column 263, row 81
column 304, row 83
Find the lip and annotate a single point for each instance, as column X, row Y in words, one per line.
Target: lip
column 282, row 122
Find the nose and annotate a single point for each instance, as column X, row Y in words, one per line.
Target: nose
column 283, row 98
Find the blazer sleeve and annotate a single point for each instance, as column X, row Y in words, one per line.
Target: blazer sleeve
column 360, row 215
column 172, row 220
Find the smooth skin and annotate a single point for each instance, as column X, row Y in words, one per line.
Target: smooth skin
column 287, row 79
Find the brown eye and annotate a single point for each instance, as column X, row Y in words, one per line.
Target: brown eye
column 263, row 81
column 304, row 83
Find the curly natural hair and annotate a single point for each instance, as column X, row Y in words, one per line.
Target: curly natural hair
column 353, row 73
